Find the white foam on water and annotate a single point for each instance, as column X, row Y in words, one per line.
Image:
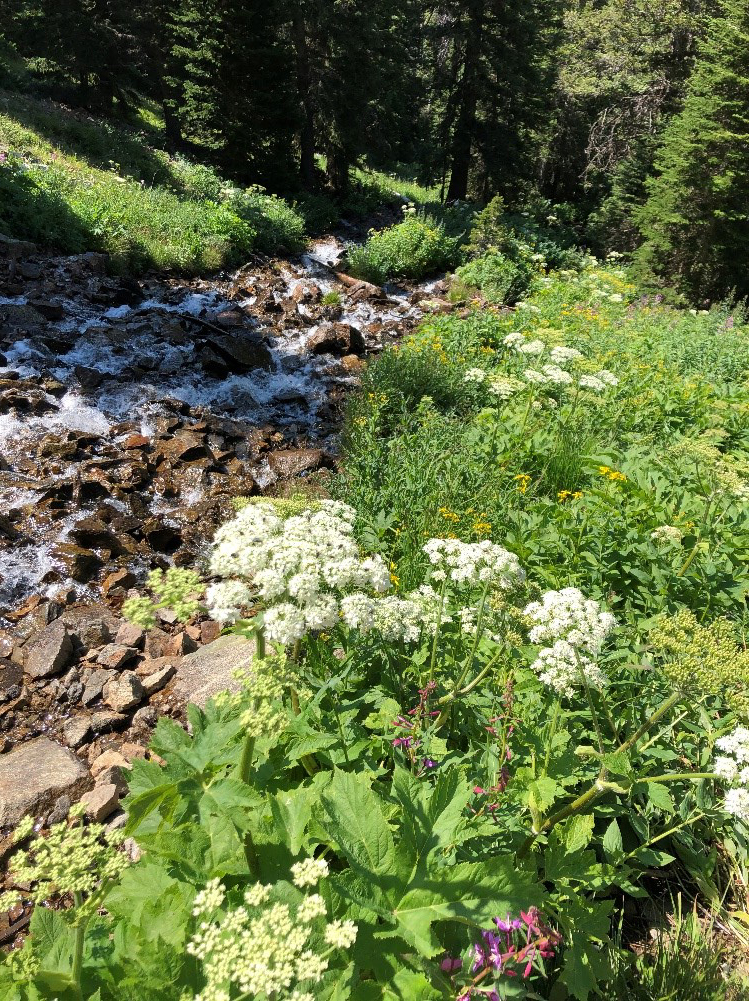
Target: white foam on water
column 13, row 300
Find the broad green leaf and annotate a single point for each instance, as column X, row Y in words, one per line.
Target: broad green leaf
column 292, row 811
column 431, row 814
column 542, row 792
column 54, row 943
column 471, row 893
column 661, row 798
column 355, row 822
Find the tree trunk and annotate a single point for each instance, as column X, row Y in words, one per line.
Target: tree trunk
column 463, row 134
column 304, row 88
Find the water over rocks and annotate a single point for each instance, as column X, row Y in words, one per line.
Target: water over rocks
column 130, row 414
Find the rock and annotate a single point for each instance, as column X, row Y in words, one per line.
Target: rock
column 101, row 801
column 236, row 353
column 153, row 683
column 295, row 461
column 209, row 631
column 182, row 447
column 120, row 578
column 109, row 759
column 105, row 721
column 93, row 685
column 49, row 310
column 81, row 563
column 180, row 644
column 59, row 811
column 49, row 652
column 91, row 533
column 34, row 775
column 162, row 537
column 114, row 656
column 124, row 692
column 208, row 671
column 337, row 339
column 76, row 731
column 90, row 625
column 353, row 364
column 11, row 679
column 136, row 441
column 130, row 635
column 155, row 642
column 145, row 717
column 89, row 378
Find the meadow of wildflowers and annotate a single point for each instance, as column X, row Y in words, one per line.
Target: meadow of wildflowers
column 499, row 695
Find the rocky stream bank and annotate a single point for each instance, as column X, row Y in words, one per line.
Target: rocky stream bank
column 130, row 415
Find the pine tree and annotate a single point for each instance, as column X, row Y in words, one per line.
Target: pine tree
column 696, row 219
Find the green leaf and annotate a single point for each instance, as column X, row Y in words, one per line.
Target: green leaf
column 471, row 893
column 54, row 943
column 613, row 845
column 661, row 798
column 292, row 812
column 432, row 814
column 355, row 822
column 542, row 792
column 578, row 832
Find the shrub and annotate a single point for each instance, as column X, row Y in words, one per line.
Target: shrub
column 500, row 280
column 276, row 225
column 414, row 248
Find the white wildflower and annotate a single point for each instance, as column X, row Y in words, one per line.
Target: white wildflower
column 310, row 908
column 737, row 803
column 341, row 934
column 209, row 898
column 607, row 377
column 666, row 535
column 256, row 895
column 358, row 611
column 309, row 872
column 736, row 744
column 726, row 768
column 532, row 375
column 226, row 600
column 563, row 668
column 310, row 966
column 557, row 375
column 503, row 386
column 534, row 347
column 513, row 339
column 562, row 355
column 475, row 563
column 474, row 375
column 284, row 623
column 616, row 297
column 592, row 382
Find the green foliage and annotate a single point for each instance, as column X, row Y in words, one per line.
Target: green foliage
column 275, row 224
column 499, row 280
column 415, row 248
column 695, row 222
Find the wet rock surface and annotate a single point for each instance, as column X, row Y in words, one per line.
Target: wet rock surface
column 131, row 413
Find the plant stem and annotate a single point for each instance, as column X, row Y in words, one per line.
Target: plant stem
column 260, row 644
column 80, row 936
column 245, row 762
column 680, row 777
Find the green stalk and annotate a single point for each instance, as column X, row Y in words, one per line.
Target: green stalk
column 80, row 936
column 438, row 627
column 245, row 762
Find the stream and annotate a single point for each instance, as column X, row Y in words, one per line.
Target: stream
column 132, row 412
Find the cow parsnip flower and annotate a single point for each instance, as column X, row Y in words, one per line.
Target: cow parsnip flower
column 733, row 768
column 576, row 628
column 266, row 947
column 74, row 858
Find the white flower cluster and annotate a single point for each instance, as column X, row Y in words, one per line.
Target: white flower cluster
column 474, row 375
column 296, row 566
column 262, row 947
column 733, row 768
column 504, row 386
column 549, row 373
column 597, row 383
column 563, row 356
column 471, row 564
column 396, row 619
column 576, row 628
column 534, row 347
column 666, row 535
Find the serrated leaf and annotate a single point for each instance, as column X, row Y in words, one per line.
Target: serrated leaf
column 542, row 792
column 354, row 820
column 613, row 845
column 661, row 798
column 292, row 811
column 578, row 833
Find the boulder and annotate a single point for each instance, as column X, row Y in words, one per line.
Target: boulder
column 114, row 656
column 101, row 801
column 49, row 652
column 236, row 353
column 123, row 692
column 34, row 775
column 337, row 339
column 76, row 731
column 295, row 461
column 153, row 683
column 210, row 670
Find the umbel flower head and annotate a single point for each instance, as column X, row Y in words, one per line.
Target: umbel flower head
column 576, row 627
column 266, row 946
column 703, row 658
column 733, row 768
column 260, row 697
column 296, row 566
column 73, row 859
column 177, row 589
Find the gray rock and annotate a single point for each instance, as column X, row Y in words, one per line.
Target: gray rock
column 114, row 656
column 101, row 801
column 90, row 625
column 123, row 692
column 107, row 720
column 59, row 811
column 208, row 671
column 76, row 730
column 130, row 635
column 34, row 775
column 49, row 652
column 156, row 681
column 295, row 461
column 145, row 717
column 94, row 681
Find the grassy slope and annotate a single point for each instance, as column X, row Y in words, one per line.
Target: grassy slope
column 74, row 183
